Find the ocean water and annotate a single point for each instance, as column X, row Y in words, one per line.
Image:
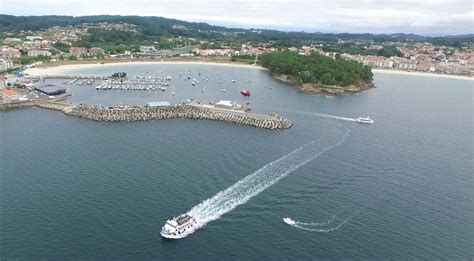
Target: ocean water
column 401, row 188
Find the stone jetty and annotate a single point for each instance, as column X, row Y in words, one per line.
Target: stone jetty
column 183, row 111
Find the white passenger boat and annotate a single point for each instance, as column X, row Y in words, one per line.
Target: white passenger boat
column 179, row 227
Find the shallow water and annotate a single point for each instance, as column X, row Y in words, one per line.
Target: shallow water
column 72, row 188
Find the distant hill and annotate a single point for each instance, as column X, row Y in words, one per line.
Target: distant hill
column 160, row 26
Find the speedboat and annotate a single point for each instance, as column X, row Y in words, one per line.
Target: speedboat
column 245, row 92
column 289, row 221
column 179, row 227
column 364, row 120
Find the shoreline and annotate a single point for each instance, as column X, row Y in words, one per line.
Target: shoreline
column 424, row 74
column 61, row 69
column 65, row 67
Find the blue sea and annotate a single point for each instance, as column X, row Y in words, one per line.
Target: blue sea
column 401, row 188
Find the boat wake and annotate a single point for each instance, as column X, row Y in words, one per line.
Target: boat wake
column 334, row 117
column 252, row 185
column 323, row 115
column 318, row 227
column 322, row 227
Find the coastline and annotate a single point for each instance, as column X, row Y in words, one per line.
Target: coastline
column 63, row 69
column 424, row 74
column 315, row 89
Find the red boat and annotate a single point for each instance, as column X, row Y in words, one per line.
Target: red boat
column 245, row 92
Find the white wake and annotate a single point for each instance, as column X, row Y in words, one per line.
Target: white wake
column 322, row 227
column 329, row 116
column 250, row 186
column 316, row 227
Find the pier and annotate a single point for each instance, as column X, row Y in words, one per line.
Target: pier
column 142, row 113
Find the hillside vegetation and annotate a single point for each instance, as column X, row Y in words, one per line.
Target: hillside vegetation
column 317, row 69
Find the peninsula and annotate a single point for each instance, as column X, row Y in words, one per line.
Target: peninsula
column 318, row 74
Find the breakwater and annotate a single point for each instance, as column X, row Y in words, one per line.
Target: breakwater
column 182, row 111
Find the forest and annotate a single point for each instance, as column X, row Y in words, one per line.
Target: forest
column 316, row 68
column 152, row 26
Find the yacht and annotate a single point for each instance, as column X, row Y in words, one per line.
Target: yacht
column 364, row 120
column 179, row 227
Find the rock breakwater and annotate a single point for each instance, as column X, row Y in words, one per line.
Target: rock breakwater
column 141, row 113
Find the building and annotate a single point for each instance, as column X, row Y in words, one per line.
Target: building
column 5, row 64
column 12, row 40
column 39, row 52
column 10, row 94
column 8, row 52
column 51, row 89
column 96, row 50
column 77, row 51
column 33, row 38
column 158, row 104
column 148, row 49
column 225, row 104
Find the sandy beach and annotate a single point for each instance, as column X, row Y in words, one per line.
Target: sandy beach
column 65, row 69
column 425, row 74
column 58, row 70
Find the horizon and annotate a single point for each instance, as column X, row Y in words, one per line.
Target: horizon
column 439, row 18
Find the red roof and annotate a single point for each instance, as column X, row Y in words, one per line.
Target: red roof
column 9, row 92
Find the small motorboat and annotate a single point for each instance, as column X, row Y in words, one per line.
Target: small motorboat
column 365, row 120
column 289, row 221
column 223, row 90
column 245, row 92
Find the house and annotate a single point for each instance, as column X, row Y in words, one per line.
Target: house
column 77, row 51
column 10, row 94
column 8, row 52
column 5, row 65
column 12, row 40
column 148, row 49
column 96, row 50
column 38, row 52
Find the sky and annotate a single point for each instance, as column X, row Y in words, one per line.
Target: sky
column 426, row 17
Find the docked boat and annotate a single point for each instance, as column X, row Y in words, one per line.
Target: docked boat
column 364, row 120
column 179, row 227
column 245, row 92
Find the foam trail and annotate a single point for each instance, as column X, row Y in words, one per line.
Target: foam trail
column 301, row 225
column 317, row 114
column 334, row 117
column 322, row 229
column 250, row 186
column 310, row 224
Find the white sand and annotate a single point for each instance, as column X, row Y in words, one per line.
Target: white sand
column 461, row 77
column 65, row 69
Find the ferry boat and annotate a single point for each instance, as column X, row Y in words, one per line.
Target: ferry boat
column 364, row 120
column 179, row 227
column 245, row 92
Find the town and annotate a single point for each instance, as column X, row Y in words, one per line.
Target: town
column 27, row 48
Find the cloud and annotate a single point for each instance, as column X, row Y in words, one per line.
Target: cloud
column 389, row 16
